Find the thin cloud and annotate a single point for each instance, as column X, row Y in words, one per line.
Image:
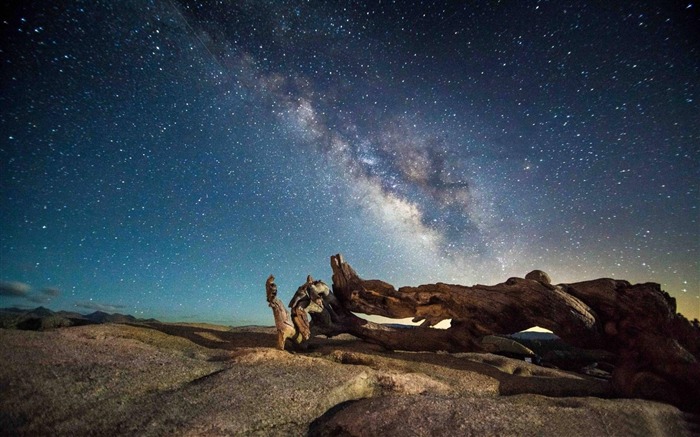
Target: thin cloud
column 14, row 289
column 50, row 291
column 107, row 308
column 20, row 290
column 38, row 298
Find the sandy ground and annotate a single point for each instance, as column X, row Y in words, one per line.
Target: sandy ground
column 206, row 380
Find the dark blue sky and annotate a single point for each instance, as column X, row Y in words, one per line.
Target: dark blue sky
column 162, row 158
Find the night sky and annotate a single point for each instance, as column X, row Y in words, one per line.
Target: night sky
column 162, row 158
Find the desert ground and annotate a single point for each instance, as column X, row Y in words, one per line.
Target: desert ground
column 206, row 380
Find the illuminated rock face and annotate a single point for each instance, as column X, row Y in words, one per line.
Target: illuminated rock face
column 539, row 276
column 206, row 380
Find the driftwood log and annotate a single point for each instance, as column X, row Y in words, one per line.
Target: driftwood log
column 294, row 325
column 657, row 349
column 285, row 327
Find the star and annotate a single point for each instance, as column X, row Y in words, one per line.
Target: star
column 167, row 162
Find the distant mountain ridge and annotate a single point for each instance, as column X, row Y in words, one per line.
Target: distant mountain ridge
column 103, row 317
column 41, row 318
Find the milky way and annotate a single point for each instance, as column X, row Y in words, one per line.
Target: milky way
column 162, row 158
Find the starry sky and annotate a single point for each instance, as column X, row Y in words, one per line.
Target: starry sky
column 161, row 158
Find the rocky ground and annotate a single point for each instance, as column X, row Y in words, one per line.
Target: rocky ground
column 203, row 380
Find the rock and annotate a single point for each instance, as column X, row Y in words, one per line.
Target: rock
column 196, row 379
column 539, row 276
column 525, row 415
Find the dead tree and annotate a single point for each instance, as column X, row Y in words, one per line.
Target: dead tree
column 638, row 323
column 285, row 327
column 306, row 300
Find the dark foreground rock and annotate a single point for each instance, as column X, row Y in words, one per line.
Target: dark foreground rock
column 203, row 380
column 523, row 415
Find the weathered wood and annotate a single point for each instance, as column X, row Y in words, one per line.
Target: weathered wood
column 475, row 311
column 637, row 322
column 301, row 322
column 285, row 328
column 307, row 299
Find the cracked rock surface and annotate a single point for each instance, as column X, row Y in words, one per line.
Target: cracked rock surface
column 200, row 380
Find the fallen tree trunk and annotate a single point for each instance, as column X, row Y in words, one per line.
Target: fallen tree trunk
column 636, row 322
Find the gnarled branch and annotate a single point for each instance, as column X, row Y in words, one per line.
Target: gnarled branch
column 637, row 322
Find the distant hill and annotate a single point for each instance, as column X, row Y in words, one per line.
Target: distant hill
column 40, row 319
column 69, row 314
column 102, row 317
column 35, row 319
